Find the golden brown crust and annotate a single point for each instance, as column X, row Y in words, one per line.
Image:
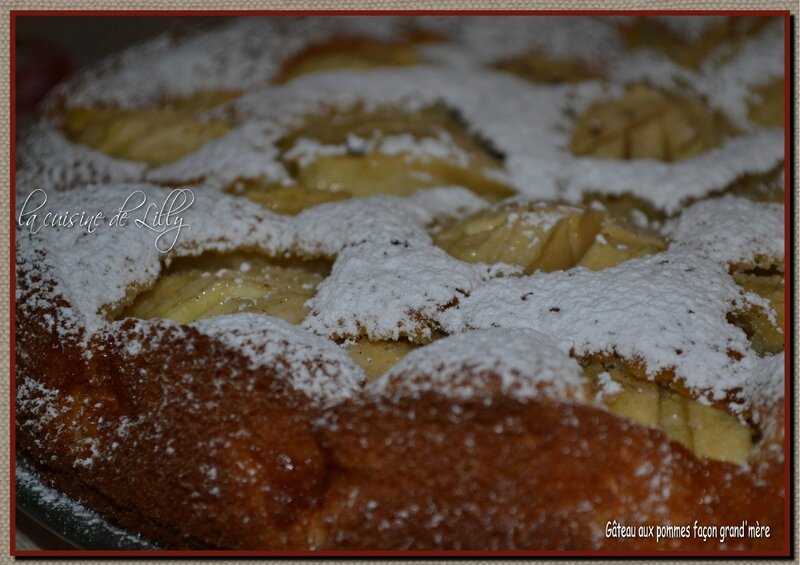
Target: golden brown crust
column 171, row 433
column 233, row 458
column 254, row 462
column 559, row 474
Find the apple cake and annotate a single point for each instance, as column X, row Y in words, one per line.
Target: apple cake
column 460, row 283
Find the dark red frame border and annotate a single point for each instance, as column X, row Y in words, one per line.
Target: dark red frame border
column 788, row 542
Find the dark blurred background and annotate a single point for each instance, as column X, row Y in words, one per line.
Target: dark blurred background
column 49, row 48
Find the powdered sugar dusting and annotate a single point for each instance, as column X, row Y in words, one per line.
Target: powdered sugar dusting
column 690, row 27
column 733, row 230
column 530, row 125
column 510, row 335
column 329, row 228
column 606, row 386
column 386, row 292
column 48, row 160
column 659, row 309
column 313, row 365
column 758, row 62
column 247, row 152
column 229, row 57
column 96, row 270
column 446, row 202
column 388, row 280
column 520, row 363
column 766, row 384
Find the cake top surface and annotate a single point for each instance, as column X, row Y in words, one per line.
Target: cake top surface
column 529, row 124
column 388, row 280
